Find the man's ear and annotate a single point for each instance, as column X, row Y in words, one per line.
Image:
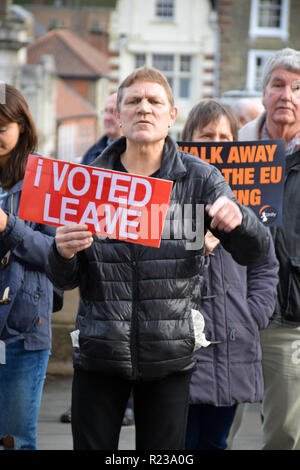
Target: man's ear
column 263, row 97
column 173, row 115
column 117, row 116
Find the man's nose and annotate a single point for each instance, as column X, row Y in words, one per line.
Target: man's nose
column 287, row 93
column 108, row 117
column 143, row 106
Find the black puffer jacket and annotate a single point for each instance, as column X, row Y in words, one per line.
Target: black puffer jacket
column 135, row 310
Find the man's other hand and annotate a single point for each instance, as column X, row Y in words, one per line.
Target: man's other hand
column 225, row 214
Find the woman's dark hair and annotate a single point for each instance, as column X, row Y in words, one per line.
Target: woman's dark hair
column 206, row 111
column 15, row 109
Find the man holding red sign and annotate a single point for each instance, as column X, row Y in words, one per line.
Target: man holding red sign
column 135, row 314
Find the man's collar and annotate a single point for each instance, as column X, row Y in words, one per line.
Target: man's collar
column 292, row 147
column 171, row 168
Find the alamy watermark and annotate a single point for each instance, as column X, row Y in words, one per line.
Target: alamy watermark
column 182, row 222
column 185, row 222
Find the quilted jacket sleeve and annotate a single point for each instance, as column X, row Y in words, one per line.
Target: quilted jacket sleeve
column 29, row 242
column 63, row 273
column 249, row 242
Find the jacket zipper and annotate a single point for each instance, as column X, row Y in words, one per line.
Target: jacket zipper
column 224, row 287
column 134, row 322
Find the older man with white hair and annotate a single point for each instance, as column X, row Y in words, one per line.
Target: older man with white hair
column 281, row 340
column 247, row 109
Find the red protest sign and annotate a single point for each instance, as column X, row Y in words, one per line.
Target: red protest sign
column 113, row 204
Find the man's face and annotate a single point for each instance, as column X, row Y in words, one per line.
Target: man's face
column 110, row 123
column 282, row 98
column 145, row 112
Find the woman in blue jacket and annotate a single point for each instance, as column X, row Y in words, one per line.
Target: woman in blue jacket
column 237, row 301
column 26, row 295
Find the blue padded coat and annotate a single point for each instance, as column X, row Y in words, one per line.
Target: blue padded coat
column 26, row 314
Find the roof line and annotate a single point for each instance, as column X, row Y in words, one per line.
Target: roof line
column 77, row 51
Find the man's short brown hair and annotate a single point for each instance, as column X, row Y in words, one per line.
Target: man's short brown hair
column 146, row 74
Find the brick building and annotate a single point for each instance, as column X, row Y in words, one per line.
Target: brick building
column 80, row 65
column 248, row 32
column 89, row 20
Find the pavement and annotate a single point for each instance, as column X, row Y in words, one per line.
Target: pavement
column 54, row 435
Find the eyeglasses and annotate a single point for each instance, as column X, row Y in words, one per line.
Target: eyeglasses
column 294, row 88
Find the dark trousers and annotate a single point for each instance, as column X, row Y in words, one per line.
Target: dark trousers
column 209, row 426
column 160, row 411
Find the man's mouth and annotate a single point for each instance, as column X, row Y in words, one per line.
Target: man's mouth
column 284, row 108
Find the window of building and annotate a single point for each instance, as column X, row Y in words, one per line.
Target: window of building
column 269, row 18
column 185, row 76
column 165, row 9
column 66, row 142
column 165, row 63
column 139, row 60
column 178, row 71
column 256, row 62
column 176, row 68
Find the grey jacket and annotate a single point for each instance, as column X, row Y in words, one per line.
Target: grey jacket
column 287, row 236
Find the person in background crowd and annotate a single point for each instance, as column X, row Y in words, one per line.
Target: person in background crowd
column 280, row 341
column 112, row 131
column 139, row 299
column 246, row 109
column 237, row 301
column 26, row 292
